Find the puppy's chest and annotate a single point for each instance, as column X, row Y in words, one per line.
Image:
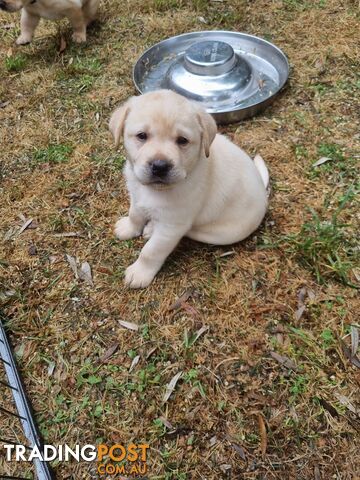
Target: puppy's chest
column 159, row 205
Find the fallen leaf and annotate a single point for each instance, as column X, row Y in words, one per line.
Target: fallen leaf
column 299, row 312
column 129, row 325
column 72, row 262
column 134, row 363
column 213, row 440
column 68, row 235
column 4, row 296
column 317, row 475
column 166, row 423
column 190, row 309
column 301, row 296
column 150, row 352
column 170, row 387
column 182, row 299
column 311, row 294
column 263, row 434
column 51, row 368
column 354, row 340
column 25, row 225
column 4, row 104
column 103, row 269
column 227, row 254
column 348, row 354
column 232, row 359
column 325, row 404
column 200, row 332
column 239, row 450
column 63, row 45
column 287, row 362
column 304, row 293
column 346, row 402
column 321, row 161
column 33, row 225
column 236, row 447
column 85, row 274
column 109, row 353
column 356, row 272
column 293, row 413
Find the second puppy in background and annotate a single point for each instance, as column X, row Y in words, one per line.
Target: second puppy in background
column 79, row 12
column 183, row 180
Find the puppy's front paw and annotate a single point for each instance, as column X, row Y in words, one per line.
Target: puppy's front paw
column 125, row 229
column 138, row 276
column 79, row 37
column 23, row 39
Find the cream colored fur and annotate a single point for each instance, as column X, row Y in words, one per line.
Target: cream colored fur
column 79, row 12
column 215, row 193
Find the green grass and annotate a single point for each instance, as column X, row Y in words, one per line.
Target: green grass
column 304, row 4
column 15, row 63
column 338, row 168
column 54, row 153
column 322, row 244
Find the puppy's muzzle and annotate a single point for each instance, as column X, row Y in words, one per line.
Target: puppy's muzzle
column 160, row 169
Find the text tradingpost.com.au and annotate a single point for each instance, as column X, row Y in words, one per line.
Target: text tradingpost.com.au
column 111, row 460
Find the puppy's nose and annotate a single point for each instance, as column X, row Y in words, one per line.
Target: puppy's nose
column 160, row 168
column 2, row 5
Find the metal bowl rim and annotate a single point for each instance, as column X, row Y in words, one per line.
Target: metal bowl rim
column 248, row 35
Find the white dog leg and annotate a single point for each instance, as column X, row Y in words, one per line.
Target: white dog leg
column 78, row 23
column 28, row 24
column 162, row 242
column 90, row 10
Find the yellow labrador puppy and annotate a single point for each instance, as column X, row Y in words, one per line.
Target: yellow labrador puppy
column 79, row 12
column 183, row 180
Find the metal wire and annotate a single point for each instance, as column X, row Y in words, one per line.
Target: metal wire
column 24, row 413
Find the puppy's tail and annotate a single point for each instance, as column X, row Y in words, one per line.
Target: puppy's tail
column 262, row 169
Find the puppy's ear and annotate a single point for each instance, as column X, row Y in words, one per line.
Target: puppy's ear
column 208, row 130
column 117, row 121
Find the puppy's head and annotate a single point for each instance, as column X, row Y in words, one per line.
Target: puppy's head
column 165, row 135
column 11, row 5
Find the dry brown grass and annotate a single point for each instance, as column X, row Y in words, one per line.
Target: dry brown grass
column 248, row 299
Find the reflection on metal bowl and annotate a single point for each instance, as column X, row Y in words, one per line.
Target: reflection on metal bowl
column 234, row 75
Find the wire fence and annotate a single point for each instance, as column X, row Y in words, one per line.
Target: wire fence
column 17, row 425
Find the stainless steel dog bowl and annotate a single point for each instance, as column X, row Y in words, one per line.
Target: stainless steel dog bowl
column 234, row 75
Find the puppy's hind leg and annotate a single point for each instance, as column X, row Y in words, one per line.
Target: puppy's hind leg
column 90, row 9
column 28, row 24
column 77, row 20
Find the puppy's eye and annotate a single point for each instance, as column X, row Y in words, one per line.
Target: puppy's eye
column 182, row 141
column 142, row 136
